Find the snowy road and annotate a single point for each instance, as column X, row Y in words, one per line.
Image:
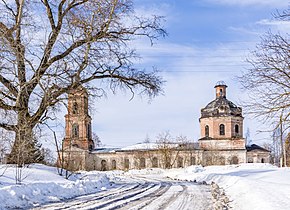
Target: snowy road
column 145, row 193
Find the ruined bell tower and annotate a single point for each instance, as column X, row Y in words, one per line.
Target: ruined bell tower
column 78, row 129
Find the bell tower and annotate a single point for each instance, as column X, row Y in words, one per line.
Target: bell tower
column 221, row 122
column 78, row 128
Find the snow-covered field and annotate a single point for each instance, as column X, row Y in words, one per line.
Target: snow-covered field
column 248, row 186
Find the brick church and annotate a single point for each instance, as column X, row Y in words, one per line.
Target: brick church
column 221, row 142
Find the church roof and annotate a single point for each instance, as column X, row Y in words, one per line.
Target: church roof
column 221, row 107
column 255, row 147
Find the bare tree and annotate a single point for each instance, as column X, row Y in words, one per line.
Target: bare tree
column 170, row 147
column 164, row 146
column 97, row 140
column 49, row 47
column 48, row 156
column 268, row 80
column 248, row 140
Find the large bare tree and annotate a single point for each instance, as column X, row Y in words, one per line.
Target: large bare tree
column 268, row 80
column 48, row 47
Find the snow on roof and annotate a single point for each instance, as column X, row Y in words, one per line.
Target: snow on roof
column 104, row 149
column 148, row 146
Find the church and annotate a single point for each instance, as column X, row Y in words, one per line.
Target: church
column 221, row 142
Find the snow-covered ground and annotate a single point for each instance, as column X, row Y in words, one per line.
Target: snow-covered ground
column 248, row 186
column 42, row 184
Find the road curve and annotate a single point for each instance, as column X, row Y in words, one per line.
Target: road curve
column 142, row 193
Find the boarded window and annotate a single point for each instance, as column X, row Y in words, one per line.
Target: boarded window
column 142, row 163
column 206, row 131
column 155, row 162
column 114, row 165
column 222, row 129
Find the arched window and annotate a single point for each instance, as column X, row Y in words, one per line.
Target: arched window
column 103, row 165
column 75, row 130
column 222, row 129
column 126, row 164
column 206, row 131
column 114, row 165
column 179, row 162
column 192, row 161
column 91, row 147
column 154, row 162
column 142, row 163
column 221, row 161
column 89, row 130
column 237, row 129
column 75, row 108
column 234, row 160
column 221, row 92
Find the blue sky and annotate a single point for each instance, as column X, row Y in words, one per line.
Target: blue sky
column 208, row 41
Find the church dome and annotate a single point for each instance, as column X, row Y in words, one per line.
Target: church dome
column 221, row 106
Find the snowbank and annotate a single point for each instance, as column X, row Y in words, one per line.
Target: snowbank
column 249, row 186
column 42, row 184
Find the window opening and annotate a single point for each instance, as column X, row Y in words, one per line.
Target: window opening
column 222, row 129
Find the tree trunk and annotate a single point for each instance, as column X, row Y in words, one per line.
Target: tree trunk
column 282, row 144
column 25, row 149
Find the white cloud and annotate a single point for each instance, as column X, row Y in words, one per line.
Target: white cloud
column 280, row 25
column 121, row 122
column 273, row 3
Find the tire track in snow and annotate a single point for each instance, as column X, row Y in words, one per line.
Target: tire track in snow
column 119, row 201
column 172, row 198
column 147, row 199
column 142, row 193
column 88, row 198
